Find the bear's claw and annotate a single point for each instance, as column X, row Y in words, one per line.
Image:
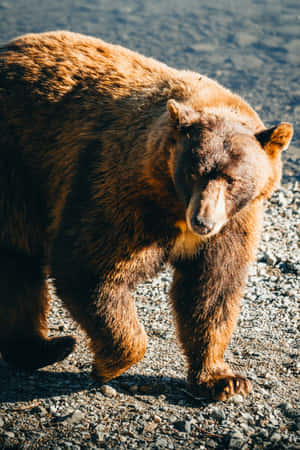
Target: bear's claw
column 221, row 388
column 229, row 386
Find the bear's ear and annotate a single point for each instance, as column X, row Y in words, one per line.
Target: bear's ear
column 276, row 139
column 181, row 115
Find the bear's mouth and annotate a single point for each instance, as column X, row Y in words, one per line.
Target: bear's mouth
column 205, row 227
column 202, row 225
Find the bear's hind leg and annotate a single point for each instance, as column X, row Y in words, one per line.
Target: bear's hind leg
column 123, row 339
column 23, row 313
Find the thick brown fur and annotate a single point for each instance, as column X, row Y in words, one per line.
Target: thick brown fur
column 112, row 164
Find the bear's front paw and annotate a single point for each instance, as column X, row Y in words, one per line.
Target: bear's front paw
column 219, row 385
column 224, row 388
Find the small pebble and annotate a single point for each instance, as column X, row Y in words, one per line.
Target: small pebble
column 218, row 414
column 9, row 434
column 276, row 437
column 236, row 440
column 99, row 437
column 76, row 417
column 108, row 391
column 157, row 419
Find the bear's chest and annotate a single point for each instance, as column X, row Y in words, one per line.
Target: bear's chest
column 186, row 244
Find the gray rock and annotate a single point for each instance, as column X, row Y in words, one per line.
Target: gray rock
column 264, row 434
column 246, row 429
column 237, row 399
column 288, row 410
column 293, row 56
column 218, row 414
column 236, row 440
column 99, row 430
column 74, row 418
column 276, row 437
column 164, row 443
column 201, row 47
column 249, row 418
column 99, row 437
column 244, row 39
column 173, row 419
column 188, row 426
column 9, row 434
column 211, row 443
column 42, row 411
column 270, row 258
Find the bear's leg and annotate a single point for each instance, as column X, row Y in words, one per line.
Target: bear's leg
column 108, row 315
column 204, row 330
column 23, row 311
column 206, row 293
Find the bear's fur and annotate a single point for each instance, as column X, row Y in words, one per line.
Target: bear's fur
column 111, row 165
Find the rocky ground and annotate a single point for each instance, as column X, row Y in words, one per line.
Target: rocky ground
column 252, row 47
column 60, row 407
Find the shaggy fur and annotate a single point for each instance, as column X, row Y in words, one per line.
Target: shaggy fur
column 112, row 164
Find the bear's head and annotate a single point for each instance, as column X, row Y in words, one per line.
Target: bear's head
column 219, row 165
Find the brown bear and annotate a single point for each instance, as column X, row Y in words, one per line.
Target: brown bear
column 111, row 165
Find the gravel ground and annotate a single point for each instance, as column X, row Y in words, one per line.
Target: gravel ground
column 252, row 47
column 150, row 406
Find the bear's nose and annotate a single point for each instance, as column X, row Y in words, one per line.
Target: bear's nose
column 202, row 225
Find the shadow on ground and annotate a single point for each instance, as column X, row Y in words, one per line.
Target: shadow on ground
column 21, row 386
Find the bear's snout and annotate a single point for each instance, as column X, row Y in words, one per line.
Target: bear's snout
column 206, row 213
column 202, row 225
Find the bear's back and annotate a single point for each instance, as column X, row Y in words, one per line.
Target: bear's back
column 53, row 63
column 49, row 67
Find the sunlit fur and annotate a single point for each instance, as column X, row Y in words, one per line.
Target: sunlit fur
column 105, row 158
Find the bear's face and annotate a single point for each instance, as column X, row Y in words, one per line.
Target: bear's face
column 219, row 167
